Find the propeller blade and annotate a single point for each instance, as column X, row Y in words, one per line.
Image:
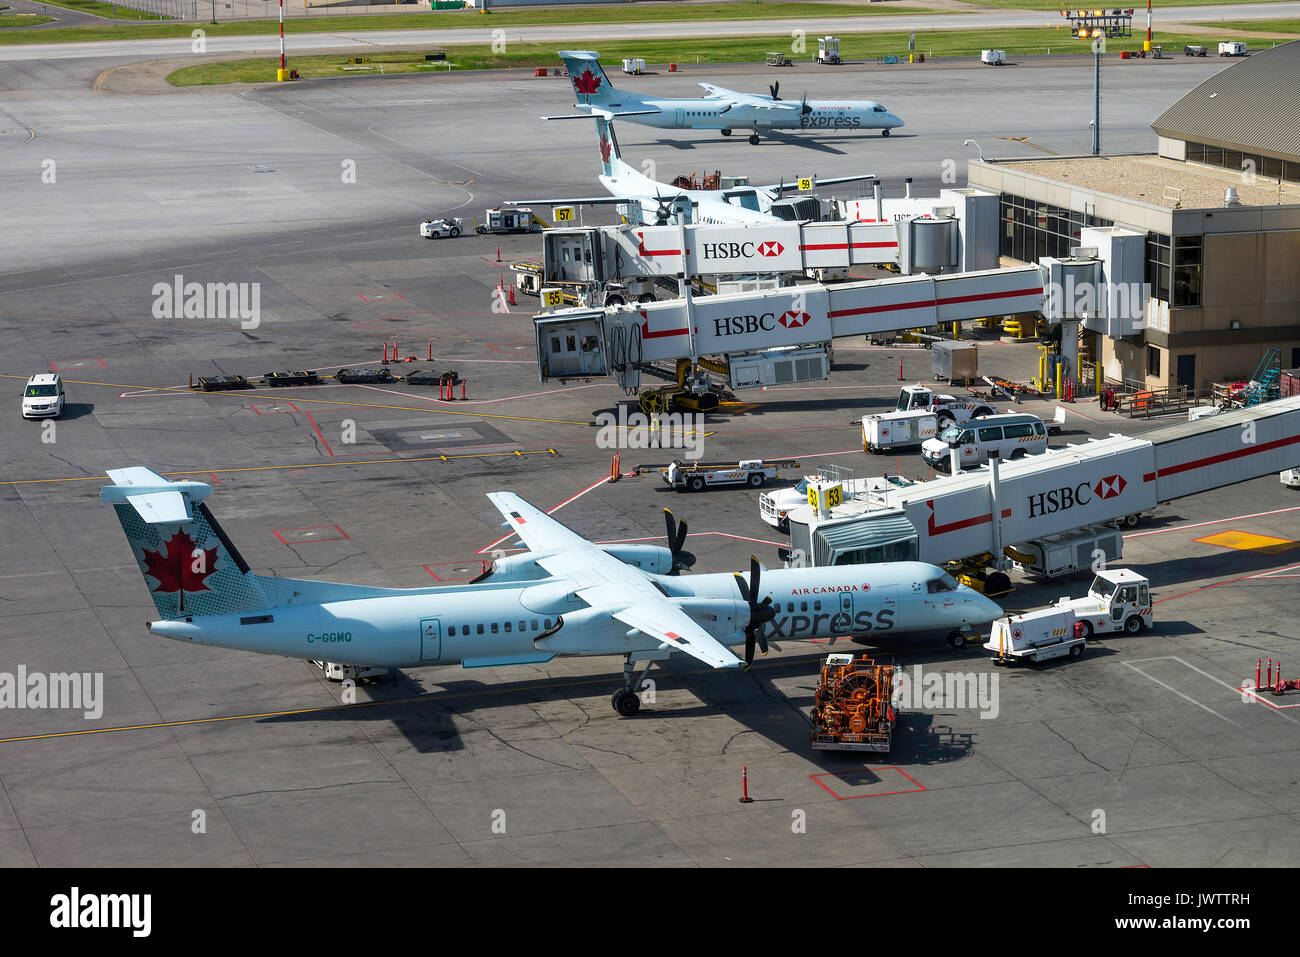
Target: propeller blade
column 754, row 568
column 676, row 534
column 775, row 88
column 749, row 648
column 744, row 588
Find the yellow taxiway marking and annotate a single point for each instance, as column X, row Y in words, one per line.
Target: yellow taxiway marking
column 1024, row 141
column 304, row 465
column 185, row 390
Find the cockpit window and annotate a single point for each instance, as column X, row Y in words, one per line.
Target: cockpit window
column 943, row 583
column 879, row 109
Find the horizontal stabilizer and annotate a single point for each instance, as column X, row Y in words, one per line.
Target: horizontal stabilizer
column 605, row 113
column 154, row 498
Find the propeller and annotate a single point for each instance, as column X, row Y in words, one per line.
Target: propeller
column 760, row 613
column 804, row 108
column 663, row 215
column 677, row 538
column 775, row 88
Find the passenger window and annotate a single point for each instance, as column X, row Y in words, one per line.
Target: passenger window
column 523, row 626
column 1019, row 431
column 547, row 622
column 451, row 631
column 1038, row 429
column 536, row 627
column 507, row 626
column 494, row 627
column 991, row 434
column 817, row 606
column 1143, row 595
column 789, row 606
column 803, row 606
column 480, row 629
column 967, row 436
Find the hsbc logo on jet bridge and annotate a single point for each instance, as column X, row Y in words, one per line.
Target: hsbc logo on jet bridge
column 740, row 250
column 1068, row 496
column 742, row 325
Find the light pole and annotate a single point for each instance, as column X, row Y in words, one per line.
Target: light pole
column 282, row 74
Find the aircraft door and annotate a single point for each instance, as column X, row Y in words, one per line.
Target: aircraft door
column 681, row 118
column 430, row 639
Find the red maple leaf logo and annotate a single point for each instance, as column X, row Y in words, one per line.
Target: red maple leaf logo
column 587, row 84
column 604, row 149
column 176, row 569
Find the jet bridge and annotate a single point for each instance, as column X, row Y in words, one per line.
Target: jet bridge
column 982, row 512
column 620, row 340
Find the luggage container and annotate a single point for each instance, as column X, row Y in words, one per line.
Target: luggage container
column 955, row 361
column 993, row 57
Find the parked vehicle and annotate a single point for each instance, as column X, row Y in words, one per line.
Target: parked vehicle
column 438, row 228
column 43, row 396
column 1119, row 599
column 1233, row 48
column 1193, row 50
column 1010, row 436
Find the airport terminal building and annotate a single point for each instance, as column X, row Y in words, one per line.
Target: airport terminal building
column 1220, row 206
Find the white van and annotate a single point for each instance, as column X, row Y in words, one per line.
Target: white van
column 43, row 396
column 1012, row 435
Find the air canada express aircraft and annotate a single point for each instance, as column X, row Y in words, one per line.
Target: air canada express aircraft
column 563, row 596
column 722, row 109
column 652, row 203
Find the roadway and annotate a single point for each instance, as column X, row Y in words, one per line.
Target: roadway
column 593, row 33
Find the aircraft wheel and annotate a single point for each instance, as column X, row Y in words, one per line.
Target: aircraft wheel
column 726, row 132
column 957, row 640
column 884, row 132
column 753, row 139
column 626, row 703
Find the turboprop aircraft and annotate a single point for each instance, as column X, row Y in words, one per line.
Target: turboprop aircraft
column 660, row 203
column 563, row 596
column 722, row 109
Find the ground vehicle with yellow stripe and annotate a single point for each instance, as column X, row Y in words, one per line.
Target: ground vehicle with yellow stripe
column 1035, row 636
column 1012, row 435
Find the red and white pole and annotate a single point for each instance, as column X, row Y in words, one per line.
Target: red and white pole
column 1148, row 46
column 744, row 787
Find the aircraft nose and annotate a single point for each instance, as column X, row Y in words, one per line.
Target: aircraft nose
column 895, row 122
column 979, row 609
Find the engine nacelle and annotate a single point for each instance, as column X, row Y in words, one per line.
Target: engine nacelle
column 513, row 568
column 654, row 559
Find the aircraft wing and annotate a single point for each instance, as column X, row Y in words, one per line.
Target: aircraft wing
column 605, row 583
column 748, row 99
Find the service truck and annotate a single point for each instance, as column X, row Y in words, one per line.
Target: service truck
column 1232, row 48
column 1119, row 599
column 520, row 220
column 1035, row 636
column 897, row 430
column 697, row 476
column 440, row 228
column 949, row 410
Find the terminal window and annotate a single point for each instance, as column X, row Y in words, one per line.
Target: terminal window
column 1031, row 229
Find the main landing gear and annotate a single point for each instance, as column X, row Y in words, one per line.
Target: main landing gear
column 726, row 132
column 625, row 700
column 753, row 139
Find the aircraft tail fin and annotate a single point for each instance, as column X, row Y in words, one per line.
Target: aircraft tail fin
column 611, row 159
column 590, row 84
column 187, row 561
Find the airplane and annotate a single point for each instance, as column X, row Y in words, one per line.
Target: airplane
column 564, row 595
column 722, row 109
column 660, row 203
